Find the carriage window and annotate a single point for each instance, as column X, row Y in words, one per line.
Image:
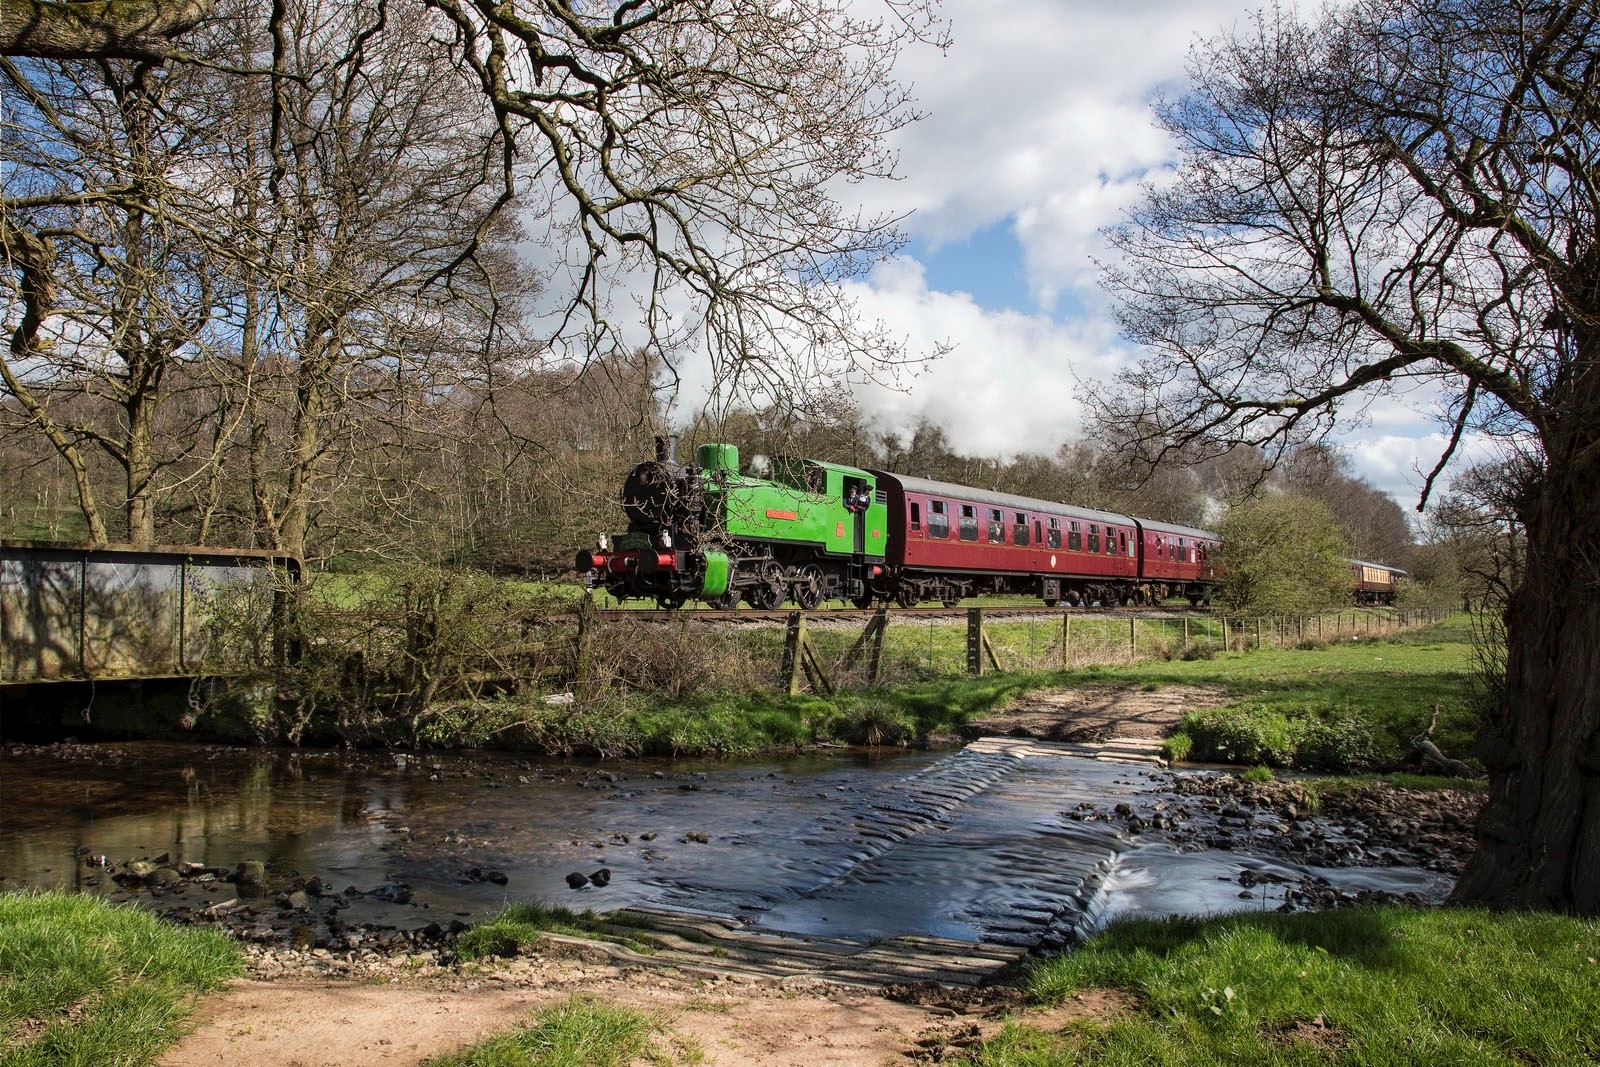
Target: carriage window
column 938, row 520
column 1111, row 540
column 997, row 526
column 1053, row 537
column 1019, row 532
column 1074, row 537
column 1161, row 548
column 969, row 522
column 1094, row 537
column 916, row 515
column 1183, row 550
column 1127, row 547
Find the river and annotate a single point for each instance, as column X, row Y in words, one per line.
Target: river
column 978, row 845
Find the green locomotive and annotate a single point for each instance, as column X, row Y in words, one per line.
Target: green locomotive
column 807, row 531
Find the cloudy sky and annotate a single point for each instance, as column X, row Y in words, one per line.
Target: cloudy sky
column 1038, row 133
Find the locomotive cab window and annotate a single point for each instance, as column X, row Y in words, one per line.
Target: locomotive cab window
column 997, row 526
column 938, row 520
column 1019, row 532
column 969, row 522
column 916, row 516
column 1094, row 537
column 1053, row 535
column 1074, row 537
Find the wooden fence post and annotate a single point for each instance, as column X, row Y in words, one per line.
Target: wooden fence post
column 1066, row 641
column 1133, row 637
column 800, row 656
column 583, row 659
column 871, row 641
column 975, row 642
column 791, row 655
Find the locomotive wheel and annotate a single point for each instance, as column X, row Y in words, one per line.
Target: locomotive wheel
column 906, row 595
column 1050, row 602
column 864, row 601
column 808, row 587
column 670, row 601
column 727, row 601
column 766, row 597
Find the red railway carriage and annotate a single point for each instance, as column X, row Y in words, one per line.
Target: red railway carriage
column 949, row 541
column 1177, row 561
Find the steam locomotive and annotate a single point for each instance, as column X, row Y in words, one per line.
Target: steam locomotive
column 807, row 531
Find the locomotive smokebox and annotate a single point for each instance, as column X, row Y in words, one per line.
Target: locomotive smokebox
column 588, row 561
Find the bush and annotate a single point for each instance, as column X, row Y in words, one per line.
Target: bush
column 1200, row 650
column 1340, row 744
column 1239, row 734
column 1257, row 775
column 1280, row 736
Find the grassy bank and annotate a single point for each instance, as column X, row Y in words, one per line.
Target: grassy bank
column 86, row 983
column 1348, row 706
column 1349, row 987
column 738, row 723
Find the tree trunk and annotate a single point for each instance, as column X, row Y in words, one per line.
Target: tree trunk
column 1539, row 833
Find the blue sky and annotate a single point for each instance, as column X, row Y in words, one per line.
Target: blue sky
column 1038, row 134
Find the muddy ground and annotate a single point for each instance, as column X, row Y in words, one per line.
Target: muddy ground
column 1096, row 713
column 309, row 1007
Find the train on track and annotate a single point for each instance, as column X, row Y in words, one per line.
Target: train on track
column 807, row 531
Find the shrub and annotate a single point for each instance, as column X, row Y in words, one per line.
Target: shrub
column 1257, row 775
column 1240, row 734
column 1340, row 744
column 1200, row 650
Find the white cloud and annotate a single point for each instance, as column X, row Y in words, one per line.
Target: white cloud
column 1039, row 118
column 1010, row 384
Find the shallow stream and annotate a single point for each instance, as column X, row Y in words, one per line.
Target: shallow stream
column 960, row 843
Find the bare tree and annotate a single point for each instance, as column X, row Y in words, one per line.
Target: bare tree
column 99, row 224
column 1405, row 193
column 682, row 159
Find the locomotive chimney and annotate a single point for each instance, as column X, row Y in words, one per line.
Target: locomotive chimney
column 667, row 448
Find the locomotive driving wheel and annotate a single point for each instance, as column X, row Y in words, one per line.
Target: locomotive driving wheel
column 670, row 601
column 727, row 601
column 808, row 587
column 769, row 594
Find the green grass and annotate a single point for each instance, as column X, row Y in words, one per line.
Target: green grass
column 83, row 982
column 1391, row 987
column 519, row 925
column 579, row 1033
column 1353, row 705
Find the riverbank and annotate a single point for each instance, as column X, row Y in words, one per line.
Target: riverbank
column 1398, row 986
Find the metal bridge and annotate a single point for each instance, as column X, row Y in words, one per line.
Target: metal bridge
column 72, row 612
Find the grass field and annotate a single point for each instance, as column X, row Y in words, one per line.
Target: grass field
column 83, row 982
column 1351, row 988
